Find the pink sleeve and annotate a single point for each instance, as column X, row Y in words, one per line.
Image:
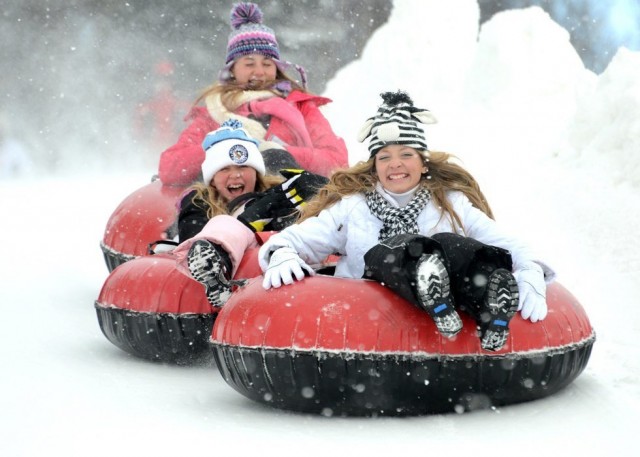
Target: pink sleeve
column 180, row 164
column 224, row 230
column 329, row 151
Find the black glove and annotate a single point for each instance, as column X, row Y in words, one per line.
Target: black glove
column 277, row 208
column 259, row 212
column 242, row 200
column 299, row 188
column 300, row 185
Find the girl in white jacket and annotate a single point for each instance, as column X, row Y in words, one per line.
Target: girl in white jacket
column 418, row 223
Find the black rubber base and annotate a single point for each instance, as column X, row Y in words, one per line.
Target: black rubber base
column 178, row 339
column 114, row 259
column 394, row 385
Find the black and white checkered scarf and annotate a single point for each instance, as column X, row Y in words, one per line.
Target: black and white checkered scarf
column 397, row 221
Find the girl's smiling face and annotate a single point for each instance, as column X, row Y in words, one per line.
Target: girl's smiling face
column 253, row 70
column 399, row 168
column 234, row 180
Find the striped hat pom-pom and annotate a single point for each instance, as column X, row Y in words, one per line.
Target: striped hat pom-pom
column 245, row 13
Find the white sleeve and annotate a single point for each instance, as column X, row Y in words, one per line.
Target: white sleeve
column 313, row 239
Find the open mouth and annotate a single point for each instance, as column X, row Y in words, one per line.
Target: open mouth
column 236, row 189
column 398, row 176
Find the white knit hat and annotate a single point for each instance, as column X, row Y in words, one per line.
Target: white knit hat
column 230, row 145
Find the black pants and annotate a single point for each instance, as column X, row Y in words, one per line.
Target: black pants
column 393, row 263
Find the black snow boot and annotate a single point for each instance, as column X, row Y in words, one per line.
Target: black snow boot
column 433, row 288
column 501, row 304
column 210, row 265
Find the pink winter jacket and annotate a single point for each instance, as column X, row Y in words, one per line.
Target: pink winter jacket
column 296, row 125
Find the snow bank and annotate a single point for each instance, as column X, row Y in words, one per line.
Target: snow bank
column 605, row 131
column 424, row 49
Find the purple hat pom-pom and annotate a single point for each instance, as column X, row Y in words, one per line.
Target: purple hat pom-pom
column 245, row 13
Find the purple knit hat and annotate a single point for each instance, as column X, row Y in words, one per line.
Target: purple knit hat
column 250, row 36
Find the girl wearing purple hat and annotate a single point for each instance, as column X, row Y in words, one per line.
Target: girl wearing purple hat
column 254, row 88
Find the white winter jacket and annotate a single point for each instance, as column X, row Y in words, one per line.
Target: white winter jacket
column 350, row 229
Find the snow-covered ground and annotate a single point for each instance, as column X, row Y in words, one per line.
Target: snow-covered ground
column 556, row 150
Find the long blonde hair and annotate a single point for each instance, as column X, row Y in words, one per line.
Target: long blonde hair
column 443, row 175
column 217, row 205
column 230, row 92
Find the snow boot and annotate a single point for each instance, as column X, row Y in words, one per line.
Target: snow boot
column 434, row 294
column 209, row 264
column 501, row 301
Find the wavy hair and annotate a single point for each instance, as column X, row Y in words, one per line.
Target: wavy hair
column 443, row 175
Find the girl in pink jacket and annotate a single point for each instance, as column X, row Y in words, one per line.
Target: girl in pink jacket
column 274, row 109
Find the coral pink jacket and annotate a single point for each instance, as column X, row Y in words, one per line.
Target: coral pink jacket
column 296, row 124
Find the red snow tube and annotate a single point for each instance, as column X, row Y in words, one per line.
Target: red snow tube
column 149, row 309
column 142, row 218
column 351, row 347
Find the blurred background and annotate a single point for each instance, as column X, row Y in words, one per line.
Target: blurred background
column 102, row 84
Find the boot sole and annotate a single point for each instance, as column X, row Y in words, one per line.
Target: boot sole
column 205, row 265
column 434, row 291
column 502, row 304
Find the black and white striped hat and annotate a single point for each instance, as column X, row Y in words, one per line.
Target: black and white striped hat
column 396, row 122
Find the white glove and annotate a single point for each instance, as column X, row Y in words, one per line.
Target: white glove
column 264, row 253
column 533, row 292
column 283, row 266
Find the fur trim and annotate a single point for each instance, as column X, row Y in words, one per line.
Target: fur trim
column 220, row 113
column 264, row 145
